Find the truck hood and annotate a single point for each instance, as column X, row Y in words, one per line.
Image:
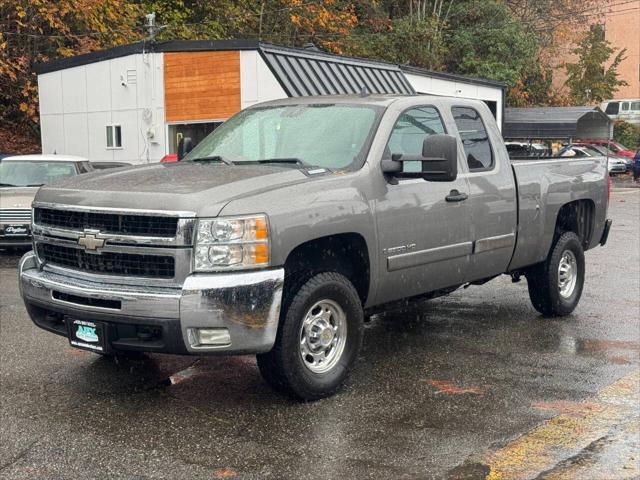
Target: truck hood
column 17, row 197
column 201, row 188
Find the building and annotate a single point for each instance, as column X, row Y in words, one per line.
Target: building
column 620, row 20
column 133, row 103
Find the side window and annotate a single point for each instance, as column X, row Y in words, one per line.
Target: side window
column 475, row 139
column 612, row 108
column 625, row 106
column 635, row 106
column 409, row 132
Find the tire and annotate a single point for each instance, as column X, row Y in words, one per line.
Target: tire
column 550, row 291
column 331, row 300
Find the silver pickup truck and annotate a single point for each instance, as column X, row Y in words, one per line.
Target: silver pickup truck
column 283, row 229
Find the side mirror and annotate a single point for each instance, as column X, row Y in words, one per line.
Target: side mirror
column 185, row 145
column 438, row 162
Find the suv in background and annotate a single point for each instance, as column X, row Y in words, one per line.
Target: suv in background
column 627, row 110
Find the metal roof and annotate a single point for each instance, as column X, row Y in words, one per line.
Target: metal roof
column 300, row 71
column 556, row 123
column 303, row 72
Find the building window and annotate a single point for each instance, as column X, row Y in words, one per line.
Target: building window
column 114, row 136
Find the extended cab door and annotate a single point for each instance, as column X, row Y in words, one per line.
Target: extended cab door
column 424, row 239
column 492, row 195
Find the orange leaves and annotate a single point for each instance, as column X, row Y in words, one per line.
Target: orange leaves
column 449, row 388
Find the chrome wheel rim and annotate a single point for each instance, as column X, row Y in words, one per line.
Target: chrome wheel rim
column 567, row 274
column 323, row 335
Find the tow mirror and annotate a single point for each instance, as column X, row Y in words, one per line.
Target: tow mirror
column 185, row 145
column 438, row 162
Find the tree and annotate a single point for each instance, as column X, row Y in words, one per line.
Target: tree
column 39, row 30
column 589, row 80
column 485, row 40
column 627, row 134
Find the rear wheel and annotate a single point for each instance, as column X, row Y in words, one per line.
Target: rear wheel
column 319, row 337
column 555, row 286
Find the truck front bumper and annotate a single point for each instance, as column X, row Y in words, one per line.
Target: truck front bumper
column 241, row 308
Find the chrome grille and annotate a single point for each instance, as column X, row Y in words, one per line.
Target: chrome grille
column 108, row 223
column 127, row 264
column 15, row 215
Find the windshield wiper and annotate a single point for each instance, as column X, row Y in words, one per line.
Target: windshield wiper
column 7, row 185
column 213, row 158
column 292, row 160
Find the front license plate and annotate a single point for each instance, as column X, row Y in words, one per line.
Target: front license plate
column 86, row 335
column 16, row 230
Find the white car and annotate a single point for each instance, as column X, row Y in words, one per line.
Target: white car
column 20, row 178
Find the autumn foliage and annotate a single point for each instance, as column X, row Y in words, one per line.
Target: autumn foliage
column 515, row 41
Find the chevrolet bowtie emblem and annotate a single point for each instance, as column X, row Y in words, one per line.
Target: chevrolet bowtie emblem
column 90, row 242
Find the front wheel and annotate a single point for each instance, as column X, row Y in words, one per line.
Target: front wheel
column 555, row 286
column 319, row 337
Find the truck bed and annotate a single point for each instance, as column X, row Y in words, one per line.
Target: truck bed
column 544, row 185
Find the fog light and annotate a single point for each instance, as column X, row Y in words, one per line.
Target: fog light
column 202, row 337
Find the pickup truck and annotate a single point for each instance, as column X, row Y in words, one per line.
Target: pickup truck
column 281, row 231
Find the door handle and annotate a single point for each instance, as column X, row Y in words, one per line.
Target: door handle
column 456, row 196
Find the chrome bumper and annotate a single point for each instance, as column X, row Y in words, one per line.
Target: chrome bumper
column 247, row 304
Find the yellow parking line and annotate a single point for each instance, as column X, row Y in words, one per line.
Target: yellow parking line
column 614, row 412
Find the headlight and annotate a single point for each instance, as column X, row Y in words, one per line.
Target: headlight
column 232, row 243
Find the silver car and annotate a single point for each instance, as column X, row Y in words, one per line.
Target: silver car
column 20, row 178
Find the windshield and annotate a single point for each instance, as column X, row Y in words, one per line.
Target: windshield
column 332, row 136
column 33, row 173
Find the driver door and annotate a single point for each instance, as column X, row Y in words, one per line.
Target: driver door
column 424, row 239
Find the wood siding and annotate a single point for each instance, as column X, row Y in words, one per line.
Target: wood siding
column 201, row 85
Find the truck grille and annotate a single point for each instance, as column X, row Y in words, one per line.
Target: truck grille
column 15, row 215
column 125, row 264
column 113, row 223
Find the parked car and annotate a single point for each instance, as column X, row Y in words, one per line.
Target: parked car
column 612, row 145
column 20, row 178
column 107, row 165
column 627, row 110
column 279, row 246
column 617, row 164
column 636, row 165
column 169, row 157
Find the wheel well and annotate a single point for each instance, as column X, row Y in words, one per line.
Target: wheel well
column 345, row 253
column 577, row 217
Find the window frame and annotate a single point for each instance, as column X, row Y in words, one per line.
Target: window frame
column 408, row 109
column 491, row 148
column 113, row 127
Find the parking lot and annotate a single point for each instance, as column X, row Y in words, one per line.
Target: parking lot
column 473, row 385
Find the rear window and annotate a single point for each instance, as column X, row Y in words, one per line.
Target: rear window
column 15, row 173
column 612, row 108
column 475, row 139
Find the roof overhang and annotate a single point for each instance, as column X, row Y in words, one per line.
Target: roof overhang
column 556, row 123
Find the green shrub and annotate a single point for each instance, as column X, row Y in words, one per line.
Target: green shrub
column 626, row 134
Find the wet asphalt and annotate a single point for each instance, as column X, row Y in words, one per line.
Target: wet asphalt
column 442, row 389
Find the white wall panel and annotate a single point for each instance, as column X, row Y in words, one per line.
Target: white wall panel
column 50, row 93
column 97, row 136
column 76, row 141
column 74, row 90
column 128, row 120
column 52, row 133
column 123, row 97
column 257, row 83
column 98, row 86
